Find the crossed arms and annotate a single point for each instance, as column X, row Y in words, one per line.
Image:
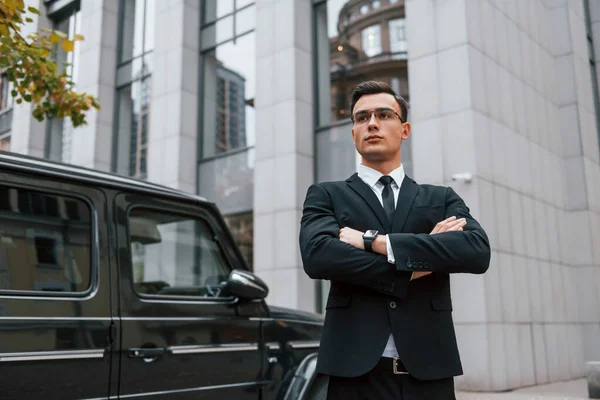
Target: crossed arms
column 455, row 245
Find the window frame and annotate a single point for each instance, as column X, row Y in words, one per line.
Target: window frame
column 94, row 249
column 170, row 210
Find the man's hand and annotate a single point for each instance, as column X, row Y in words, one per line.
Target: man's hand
column 355, row 238
column 352, row 237
column 448, row 225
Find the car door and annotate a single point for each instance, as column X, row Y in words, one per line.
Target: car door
column 181, row 339
column 55, row 306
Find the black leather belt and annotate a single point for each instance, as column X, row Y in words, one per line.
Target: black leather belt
column 393, row 365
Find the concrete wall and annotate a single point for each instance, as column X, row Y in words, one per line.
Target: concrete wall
column 502, row 89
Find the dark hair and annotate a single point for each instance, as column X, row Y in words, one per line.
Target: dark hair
column 375, row 87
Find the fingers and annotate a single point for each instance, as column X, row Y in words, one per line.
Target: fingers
column 440, row 224
column 456, row 225
column 449, row 225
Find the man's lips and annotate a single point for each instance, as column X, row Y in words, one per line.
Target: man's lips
column 373, row 138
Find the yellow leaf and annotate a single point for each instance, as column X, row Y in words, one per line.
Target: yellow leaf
column 67, row 45
column 54, row 38
column 78, row 37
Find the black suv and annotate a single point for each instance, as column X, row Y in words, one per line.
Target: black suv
column 116, row 288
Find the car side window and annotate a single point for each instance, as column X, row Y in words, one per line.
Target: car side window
column 175, row 255
column 45, row 242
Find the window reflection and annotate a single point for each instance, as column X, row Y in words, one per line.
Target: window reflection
column 398, row 44
column 175, row 255
column 242, row 228
column 371, row 40
column 46, row 242
column 59, row 143
column 226, row 170
column 229, row 76
column 356, row 42
column 137, row 28
column 5, row 97
column 134, row 81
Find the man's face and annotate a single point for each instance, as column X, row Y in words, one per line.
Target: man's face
column 378, row 139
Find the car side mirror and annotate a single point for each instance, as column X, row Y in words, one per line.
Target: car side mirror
column 246, row 285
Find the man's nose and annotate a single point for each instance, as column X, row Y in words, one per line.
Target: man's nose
column 372, row 120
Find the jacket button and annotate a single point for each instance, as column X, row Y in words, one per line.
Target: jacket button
column 392, row 304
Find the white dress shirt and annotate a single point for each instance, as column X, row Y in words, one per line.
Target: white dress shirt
column 371, row 178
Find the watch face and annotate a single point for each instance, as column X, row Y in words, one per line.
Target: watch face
column 370, row 234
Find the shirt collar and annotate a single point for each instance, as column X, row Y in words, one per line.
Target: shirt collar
column 371, row 176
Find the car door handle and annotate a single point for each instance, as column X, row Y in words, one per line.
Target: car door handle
column 149, row 354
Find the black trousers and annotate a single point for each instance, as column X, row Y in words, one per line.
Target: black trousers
column 382, row 384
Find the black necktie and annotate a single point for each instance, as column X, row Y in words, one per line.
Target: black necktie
column 388, row 196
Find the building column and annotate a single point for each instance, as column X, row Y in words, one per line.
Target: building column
column 173, row 134
column 284, row 166
column 92, row 143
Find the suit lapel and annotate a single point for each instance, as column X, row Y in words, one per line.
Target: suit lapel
column 408, row 192
column 369, row 197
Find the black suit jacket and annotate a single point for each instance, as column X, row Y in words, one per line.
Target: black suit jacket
column 369, row 297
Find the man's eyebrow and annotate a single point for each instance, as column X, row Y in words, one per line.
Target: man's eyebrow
column 376, row 109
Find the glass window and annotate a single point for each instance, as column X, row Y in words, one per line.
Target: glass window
column 364, row 9
column 397, row 37
column 5, row 96
column 42, row 247
column 229, row 181
column 137, row 28
column 214, row 9
column 229, row 90
column 347, row 56
column 132, row 129
column 376, row 4
column 134, row 82
column 226, row 168
column 242, row 228
column 175, row 255
column 371, row 40
column 60, row 131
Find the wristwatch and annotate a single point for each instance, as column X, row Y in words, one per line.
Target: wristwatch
column 369, row 236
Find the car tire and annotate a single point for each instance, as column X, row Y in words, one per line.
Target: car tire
column 318, row 389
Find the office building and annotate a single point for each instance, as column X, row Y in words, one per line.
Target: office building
column 246, row 103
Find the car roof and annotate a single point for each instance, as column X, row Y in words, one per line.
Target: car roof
column 41, row 166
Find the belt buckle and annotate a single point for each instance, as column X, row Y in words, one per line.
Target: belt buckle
column 395, row 364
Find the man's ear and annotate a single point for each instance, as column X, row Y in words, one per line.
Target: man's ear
column 406, row 130
column 353, row 134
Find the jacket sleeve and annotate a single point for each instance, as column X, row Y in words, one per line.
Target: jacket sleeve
column 325, row 256
column 450, row 252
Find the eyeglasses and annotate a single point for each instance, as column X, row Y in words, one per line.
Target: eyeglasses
column 381, row 114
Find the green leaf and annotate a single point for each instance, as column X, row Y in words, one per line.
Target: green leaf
column 27, row 98
column 33, row 10
column 28, row 20
column 19, row 101
column 14, row 93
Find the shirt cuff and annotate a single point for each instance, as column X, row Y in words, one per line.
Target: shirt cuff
column 390, row 252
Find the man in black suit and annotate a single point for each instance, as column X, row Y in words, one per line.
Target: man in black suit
column 388, row 245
